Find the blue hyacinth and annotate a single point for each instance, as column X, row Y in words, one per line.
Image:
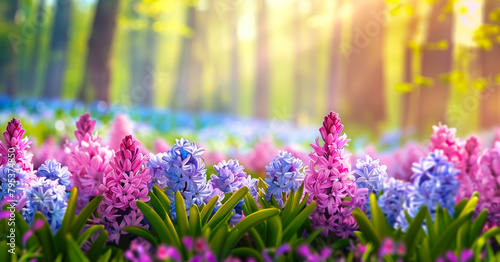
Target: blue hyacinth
column 156, row 171
column 16, row 176
column 48, row 197
column 184, row 169
column 54, row 171
column 433, row 182
column 283, row 175
column 371, row 175
column 392, row 199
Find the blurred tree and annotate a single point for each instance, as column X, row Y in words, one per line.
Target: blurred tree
column 135, row 47
column 98, row 69
column 261, row 98
column 334, row 74
column 437, row 57
column 298, row 105
column 489, row 63
column 58, row 49
column 9, row 45
column 37, row 47
column 182, row 85
column 365, row 94
column 234, row 74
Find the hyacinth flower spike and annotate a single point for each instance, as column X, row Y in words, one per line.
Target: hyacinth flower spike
column 15, row 146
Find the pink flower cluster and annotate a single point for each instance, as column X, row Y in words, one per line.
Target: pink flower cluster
column 330, row 182
column 88, row 161
column 16, row 145
column 122, row 187
column 488, row 184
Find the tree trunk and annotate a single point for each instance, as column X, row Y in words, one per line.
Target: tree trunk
column 147, row 81
column 489, row 111
column 98, row 68
column 58, row 49
column 35, row 59
column 181, row 91
column 366, row 91
column 334, row 75
column 234, row 74
column 298, row 104
column 8, row 66
column 433, row 101
column 262, row 66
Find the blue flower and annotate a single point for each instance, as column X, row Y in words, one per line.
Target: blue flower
column 433, row 182
column 392, row 199
column 156, row 171
column 283, row 175
column 16, row 176
column 184, row 169
column 48, row 197
column 54, row 171
column 370, row 174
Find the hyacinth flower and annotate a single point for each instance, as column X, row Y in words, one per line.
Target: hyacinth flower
column 120, row 127
column 330, row 183
column 283, row 175
column 470, row 178
column 488, row 184
column 185, row 170
column 88, row 160
column 15, row 146
column 156, row 170
column 55, row 171
column 122, row 187
column 400, row 162
column 392, row 199
column 230, row 177
column 48, row 197
column 371, row 175
column 17, row 176
column 443, row 138
column 434, row 182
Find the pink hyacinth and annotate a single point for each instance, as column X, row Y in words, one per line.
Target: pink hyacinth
column 123, row 186
column 471, row 179
column 444, row 139
column 120, row 127
column 88, row 160
column 17, row 144
column 330, row 183
column 400, row 162
column 488, row 184
column 262, row 153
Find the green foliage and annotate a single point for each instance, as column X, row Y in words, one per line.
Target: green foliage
column 427, row 239
column 66, row 244
column 201, row 222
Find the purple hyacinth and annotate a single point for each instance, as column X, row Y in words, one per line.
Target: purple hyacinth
column 156, row 170
column 488, row 184
column 371, row 175
column 15, row 146
column 392, row 199
column 283, row 175
column 434, row 181
column 15, row 189
column 185, row 170
column 55, row 171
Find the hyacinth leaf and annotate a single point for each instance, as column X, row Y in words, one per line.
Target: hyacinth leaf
column 97, row 246
column 207, row 210
column 470, row 206
column 84, row 215
column 162, row 197
column 157, row 206
column 262, row 184
column 224, row 221
column 165, row 230
column 244, row 225
column 263, row 202
column 250, row 202
column 463, row 235
column 182, row 217
column 22, row 227
column 194, row 221
column 413, row 235
column 431, row 230
column 88, row 233
column 448, row 236
column 292, row 228
column 44, row 234
column 257, row 239
column 439, row 220
column 296, row 211
column 370, row 248
column 106, row 256
column 460, row 206
column 275, row 230
column 226, row 207
column 220, row 236
column 378, row 218
column 298, row 196
column 142, row 232
column 69, row 215
column 247, row 253
column 288, row 205
column 366, row 227
column 490, row 233
column 274, row 202
column 423, row 251
column 477, row 226
column 74, row 251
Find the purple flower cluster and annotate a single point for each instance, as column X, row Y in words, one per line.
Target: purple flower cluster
column 371, row 175
column 156, row 171
column 122, row 187
column 88, row 160
column 55, row 171
column 330, row 183
column 185, row 171
column 283, row 175
column 392, row 199
column 488, row 184
column 15, row 145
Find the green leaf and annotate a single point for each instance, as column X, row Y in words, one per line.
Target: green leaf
column 74, row 251
column 69, row 215
column 477, row 226
column 448, row 236
column 379, row 221
column 162, row 197
column 194, row 221
column 274, row 202
column 423, row 251
column 288, row 206
column 244, row 225
column 411, row 237
column 313, row 235
column 44, row 234
column 470, row 206
column 274, row 229
column 257, row 239
column 297, row 222
column 97, row 246
column 106, row 257
column 157, row 206
column 142, row 232
column 223, row 222
column 165, row 231
column 207, row 210
column 84, row 215
column 246, row 252
column 463, row 235
column 226, row 207
column 88, row 233
column 366, row 227
column 250, row 201
column 431, row 230
column 182, row 217
column 220, row 237
column 492, row 232
column 296, row 211
column 298, row 195
column 460, row 206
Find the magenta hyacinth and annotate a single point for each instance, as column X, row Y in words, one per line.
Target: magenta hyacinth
column 488, row 184
column 88, row 160
column 122, row 187
column 17, row 144
column 444, row 139
column 471, row 179
column 330, row 182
